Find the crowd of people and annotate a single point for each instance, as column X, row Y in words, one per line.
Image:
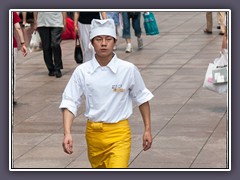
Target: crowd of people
column 53, row 27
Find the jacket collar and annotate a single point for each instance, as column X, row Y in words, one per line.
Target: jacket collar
column 112, row 65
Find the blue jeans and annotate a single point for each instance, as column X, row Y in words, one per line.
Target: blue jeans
column 114, row 16
column 135, row 24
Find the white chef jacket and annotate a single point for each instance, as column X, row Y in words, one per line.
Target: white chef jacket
column 108, row 90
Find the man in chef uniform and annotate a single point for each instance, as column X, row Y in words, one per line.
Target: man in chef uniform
column 109, row 85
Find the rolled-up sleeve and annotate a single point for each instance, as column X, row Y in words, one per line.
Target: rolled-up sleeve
column 71, row 98
column 138, row 91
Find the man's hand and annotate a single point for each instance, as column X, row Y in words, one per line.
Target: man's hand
column 68, row 144
column 147, row 140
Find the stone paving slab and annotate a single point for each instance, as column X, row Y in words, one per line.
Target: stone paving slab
column 189, row 123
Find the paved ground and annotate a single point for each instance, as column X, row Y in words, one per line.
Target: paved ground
column 189, row 123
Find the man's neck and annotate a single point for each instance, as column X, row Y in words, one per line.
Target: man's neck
column 104, row 61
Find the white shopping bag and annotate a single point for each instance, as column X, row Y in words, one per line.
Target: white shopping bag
column 223, row 59
column 209, row 82
column 35, row 42
column 220, row 74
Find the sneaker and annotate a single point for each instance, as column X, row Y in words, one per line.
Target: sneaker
column 58, row 73
column 128, row 48
column 114, row 47
column 140, row 43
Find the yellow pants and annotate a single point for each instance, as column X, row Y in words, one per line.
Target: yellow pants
column 109, row 144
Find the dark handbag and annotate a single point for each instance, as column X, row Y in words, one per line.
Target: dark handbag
column 78, row 56
column 133, row 14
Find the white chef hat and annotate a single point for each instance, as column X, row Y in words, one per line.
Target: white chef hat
column 102, row 27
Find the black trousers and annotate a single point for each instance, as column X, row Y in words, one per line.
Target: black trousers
column 52, row 52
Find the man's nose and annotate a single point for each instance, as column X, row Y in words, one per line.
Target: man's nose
column 104, row 42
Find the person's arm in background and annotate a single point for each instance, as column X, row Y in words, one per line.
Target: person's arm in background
column 35, row 14
column 21, row 38
column 104, row 15
column 76, row 16
column 224, row 41
column 64, row 20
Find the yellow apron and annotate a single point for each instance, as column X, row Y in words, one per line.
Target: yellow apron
column 109, row 144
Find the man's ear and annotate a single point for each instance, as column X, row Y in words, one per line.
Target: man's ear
column 92, row 41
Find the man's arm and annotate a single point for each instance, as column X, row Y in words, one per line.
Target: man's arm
column 68, row 118
column 147, row 135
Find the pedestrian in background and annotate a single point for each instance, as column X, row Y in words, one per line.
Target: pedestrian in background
column 209, row 19
column 24, row 19
column 127, row 18
column 82, row 22
column 225, row 37
column 221, row 18
column 115, row 16
column 50, row 26
column 109, row 85
column 23, row 48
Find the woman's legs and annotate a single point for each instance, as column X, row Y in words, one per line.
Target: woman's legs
column 126, row 31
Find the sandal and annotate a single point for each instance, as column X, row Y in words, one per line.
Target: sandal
column 207, row 31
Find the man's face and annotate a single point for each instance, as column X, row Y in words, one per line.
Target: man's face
column 103, row 45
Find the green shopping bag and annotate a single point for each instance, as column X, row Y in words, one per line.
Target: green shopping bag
column 150, row 24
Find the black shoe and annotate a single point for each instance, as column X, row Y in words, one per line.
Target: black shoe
column 218, row 27
column 58, row 73
column 14, row 102
column 207, row 31
column 221, row 33
column 51, row 73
